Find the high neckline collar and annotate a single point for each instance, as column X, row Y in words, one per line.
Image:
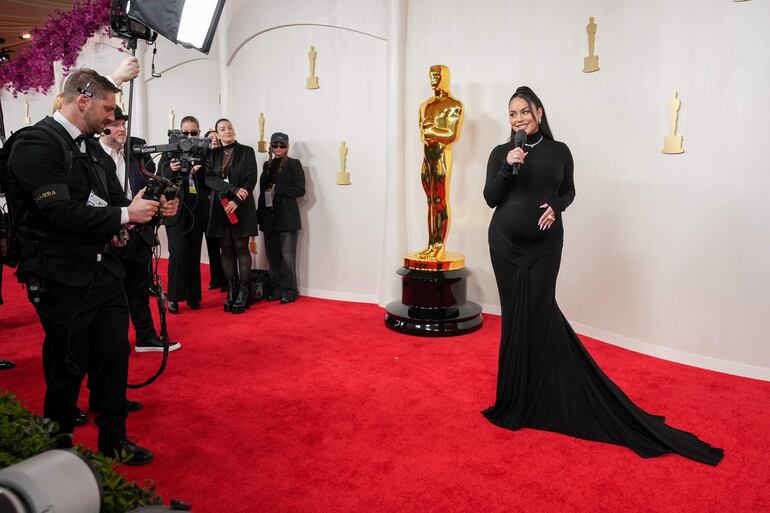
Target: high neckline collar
column 534, row 138
column 228, row 146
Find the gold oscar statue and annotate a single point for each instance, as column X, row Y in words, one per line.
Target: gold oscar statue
column 591, row 63
column 262, row 143
column 119, row 101
column 672, row 144
column 312, row 80
column 171, row 119
column 434, row 282
column 343, row 177
column 441, row 118
column 27, row 119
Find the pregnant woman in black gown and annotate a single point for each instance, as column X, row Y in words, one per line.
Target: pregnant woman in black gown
column 546, row 378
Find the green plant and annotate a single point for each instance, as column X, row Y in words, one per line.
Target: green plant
column 24, row 434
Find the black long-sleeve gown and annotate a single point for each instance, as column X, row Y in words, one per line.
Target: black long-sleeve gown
column 546, row 378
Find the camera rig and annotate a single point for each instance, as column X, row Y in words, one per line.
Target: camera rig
column 189, row 150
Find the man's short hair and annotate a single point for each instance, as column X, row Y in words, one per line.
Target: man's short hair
column 83, row 81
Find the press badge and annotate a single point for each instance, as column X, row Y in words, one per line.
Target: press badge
column 191, row 185
column 95, row 201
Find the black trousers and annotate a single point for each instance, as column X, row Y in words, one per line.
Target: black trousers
column 184, row 261
column 281, row 249
column 137, row 260
column 86, row 332
column 215, row 262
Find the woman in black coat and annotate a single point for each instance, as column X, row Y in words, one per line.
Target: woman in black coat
column 231, row 173
column 281, row 183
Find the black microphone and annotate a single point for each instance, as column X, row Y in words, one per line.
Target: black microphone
column 519, row 138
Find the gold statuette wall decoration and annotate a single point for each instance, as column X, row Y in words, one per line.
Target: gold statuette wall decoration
column 171, row 119
column 672, row 143
column 343, row 177
column 441, row 118
column 591, row 63
column 27, row 119
column 312, row 80
column 262, row 143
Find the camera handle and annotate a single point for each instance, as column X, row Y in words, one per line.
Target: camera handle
column 160, row 295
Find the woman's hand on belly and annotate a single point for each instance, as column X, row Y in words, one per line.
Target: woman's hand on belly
column 548, row 217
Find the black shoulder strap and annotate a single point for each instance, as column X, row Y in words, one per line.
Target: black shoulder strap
column 50, row 131
column 64, row 146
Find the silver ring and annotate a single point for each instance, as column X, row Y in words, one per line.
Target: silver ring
column 551, row 218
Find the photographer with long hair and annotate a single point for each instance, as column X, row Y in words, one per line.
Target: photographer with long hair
column 231, row 173
column 185, row 230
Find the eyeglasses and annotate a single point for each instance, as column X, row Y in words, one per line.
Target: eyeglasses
column 193, row 133
column 277, row 145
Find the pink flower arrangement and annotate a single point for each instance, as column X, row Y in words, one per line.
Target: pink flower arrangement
column 60, row 38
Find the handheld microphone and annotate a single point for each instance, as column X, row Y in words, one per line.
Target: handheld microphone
column 519, row 138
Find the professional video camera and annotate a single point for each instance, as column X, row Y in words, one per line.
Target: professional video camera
column 188, row 149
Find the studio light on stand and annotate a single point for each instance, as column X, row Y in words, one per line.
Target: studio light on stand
column 190, row 23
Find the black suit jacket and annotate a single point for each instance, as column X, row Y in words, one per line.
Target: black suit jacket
column 137, row 181
column 289, row 185
column 60, row 234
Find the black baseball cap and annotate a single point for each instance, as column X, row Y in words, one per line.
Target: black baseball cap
column 119, row 114
column 279, row 137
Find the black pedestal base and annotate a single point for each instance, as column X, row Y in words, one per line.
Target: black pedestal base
column 433, row 304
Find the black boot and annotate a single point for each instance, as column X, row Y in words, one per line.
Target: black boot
column 240, row 303
column 232, row 290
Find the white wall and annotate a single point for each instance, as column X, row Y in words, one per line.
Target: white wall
column 663, row 253
column 341, row 225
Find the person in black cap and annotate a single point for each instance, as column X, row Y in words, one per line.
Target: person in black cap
column 281, row 183
column 231, row 173
column 137, row 253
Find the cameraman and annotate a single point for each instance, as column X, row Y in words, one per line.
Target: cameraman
column 137, row 254
column 68, row 206
column 4, row 364
column 185, row 230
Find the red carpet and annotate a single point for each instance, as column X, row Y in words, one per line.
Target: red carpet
column 316, row 406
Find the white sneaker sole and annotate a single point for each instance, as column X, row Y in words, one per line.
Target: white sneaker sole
column 151, row 349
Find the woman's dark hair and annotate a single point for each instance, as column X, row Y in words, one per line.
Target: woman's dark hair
column 190, row 119
column 534, row 103
column 220, row 120
column 212, row 131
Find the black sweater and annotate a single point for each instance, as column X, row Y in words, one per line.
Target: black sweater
column 546, row 176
